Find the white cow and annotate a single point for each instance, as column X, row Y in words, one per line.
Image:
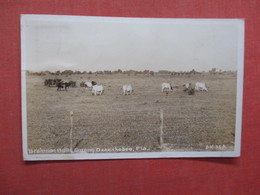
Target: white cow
column 166, row 86
column 88, row 84
column 127, row 89
column 200, row 87
column 97, row 90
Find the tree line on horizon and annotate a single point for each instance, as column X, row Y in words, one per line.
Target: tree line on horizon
column 128, row 72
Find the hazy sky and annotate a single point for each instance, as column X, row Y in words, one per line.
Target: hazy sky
column 96, row 43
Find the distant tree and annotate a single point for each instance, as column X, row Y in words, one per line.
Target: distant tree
column 99, row 72
column 42, row 73
column 146, row 72
column 67, row 72
column 193, row 71
column 57, row 72
column 107, row 72
column 163, row 72
column 77, row 72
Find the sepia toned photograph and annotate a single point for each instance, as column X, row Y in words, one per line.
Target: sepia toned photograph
column 119, row 88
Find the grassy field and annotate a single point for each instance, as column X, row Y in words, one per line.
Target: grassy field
column 200, row 122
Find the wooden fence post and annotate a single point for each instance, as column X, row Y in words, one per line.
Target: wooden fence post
column 161, row 127
column 71, row 128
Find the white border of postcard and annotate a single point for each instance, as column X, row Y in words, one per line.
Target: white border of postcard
column 81, row 156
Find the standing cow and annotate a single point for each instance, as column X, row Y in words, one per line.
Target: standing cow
column 166, row 87
column 200, row 87
column 127, row 89
column 97, row 90
column 61, row 85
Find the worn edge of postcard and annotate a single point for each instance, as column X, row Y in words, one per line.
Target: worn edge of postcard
column 89, row 156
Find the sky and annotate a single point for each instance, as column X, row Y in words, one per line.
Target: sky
column 97, row 43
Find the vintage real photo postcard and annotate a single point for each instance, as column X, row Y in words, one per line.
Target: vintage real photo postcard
column 116, row 88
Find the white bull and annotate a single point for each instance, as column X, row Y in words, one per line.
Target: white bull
column 97, row 90
column 166, row 86
column 200, row 87
column 127, row 89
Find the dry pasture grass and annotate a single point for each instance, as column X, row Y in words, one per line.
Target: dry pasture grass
column 191, row 122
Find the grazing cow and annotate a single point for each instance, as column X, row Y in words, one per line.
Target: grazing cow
column 97, row 89
column 167, row 87
column 64, row 85
column 51, row 82
column 48, row 82
column 127, row 89
column 200, row 87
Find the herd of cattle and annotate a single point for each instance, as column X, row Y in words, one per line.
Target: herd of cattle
column 188, row 87
column 59, row 83
column 127, row 89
